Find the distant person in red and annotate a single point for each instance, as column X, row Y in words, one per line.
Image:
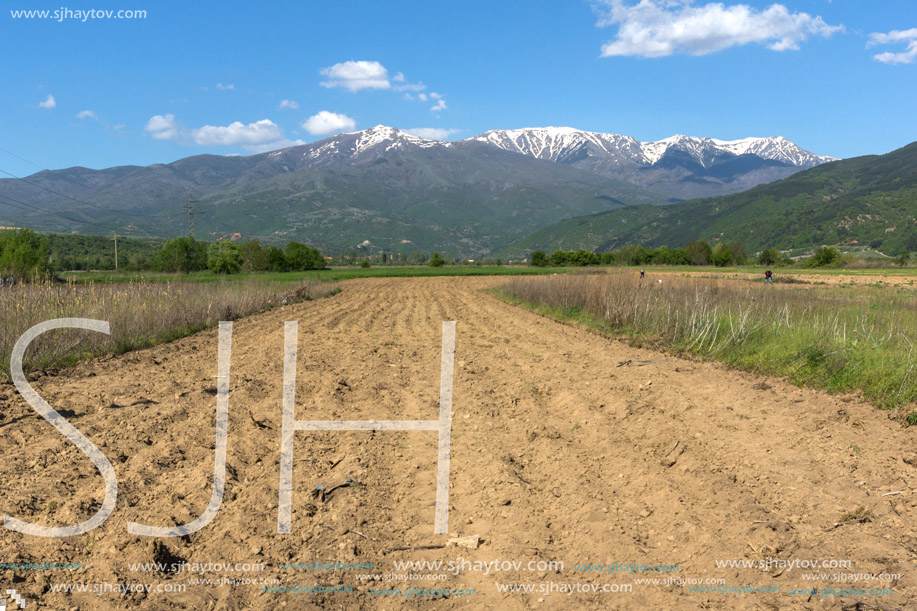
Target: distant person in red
column 768, row 277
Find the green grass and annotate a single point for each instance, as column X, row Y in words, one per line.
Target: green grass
column 326, row 275
column 840, row 338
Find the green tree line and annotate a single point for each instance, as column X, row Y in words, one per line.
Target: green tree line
column 26, row 255
column 693, row 253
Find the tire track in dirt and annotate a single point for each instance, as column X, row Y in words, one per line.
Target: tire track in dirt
column 558, row 454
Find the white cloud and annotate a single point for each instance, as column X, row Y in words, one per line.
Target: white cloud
column 48, row 103
column 272, row 146
column 422, row 97
column 657, row 28
column 163, row 127
column 410, row 87
column 440, row 102
column 356, row 75
column 325, row 123
column 238, row 134
column 223, row 87
column 432, row 133
column 291, row 104
column 908, row 56
column 87, row 114
column 257, row 137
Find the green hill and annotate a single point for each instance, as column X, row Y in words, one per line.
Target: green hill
column 864, row 201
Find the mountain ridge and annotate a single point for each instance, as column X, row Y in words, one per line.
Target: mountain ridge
column 382, row 188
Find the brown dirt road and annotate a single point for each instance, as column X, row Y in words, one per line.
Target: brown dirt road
column 558, row 454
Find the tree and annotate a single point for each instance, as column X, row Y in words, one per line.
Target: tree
column 825, row 256
column 276, row 261
column 769, row 256
column 902, row 259
column 365, row 263
column 300, row 257
column 634, row 255
column 560, row 258
column 583, row 258
column 436, row 260
column 700, row 252
column 539, row 259
column 254, row 257
column 183, row 255
column 224, row 258
column 737, row 249
column 721, row 255
column 669, row 256
column 23, row 254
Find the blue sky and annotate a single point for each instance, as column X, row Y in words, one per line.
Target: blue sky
column 836, row 77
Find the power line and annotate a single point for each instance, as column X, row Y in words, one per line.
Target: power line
column 22, row 159
column 103, row 209
column 191, row 212
column 25, row 206
column 49, row 190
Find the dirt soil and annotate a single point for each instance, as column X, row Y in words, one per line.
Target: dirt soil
column 559, row 453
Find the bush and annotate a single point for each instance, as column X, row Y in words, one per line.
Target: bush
column 224, row 258
column 364, row 263
column 183, row 255
column 23, row 255
column 436, row 260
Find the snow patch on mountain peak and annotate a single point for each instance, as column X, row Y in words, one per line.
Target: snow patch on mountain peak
column 392, row 138
column 558, row 143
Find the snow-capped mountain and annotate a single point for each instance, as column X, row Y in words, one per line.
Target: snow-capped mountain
column 612, row 155
column 352, row 148
column 564, row 143
column 391, row 188
column 679, row 167
column 560, row 143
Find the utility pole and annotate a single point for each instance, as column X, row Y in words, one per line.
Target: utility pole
column 116, row 249
column 191, row 214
